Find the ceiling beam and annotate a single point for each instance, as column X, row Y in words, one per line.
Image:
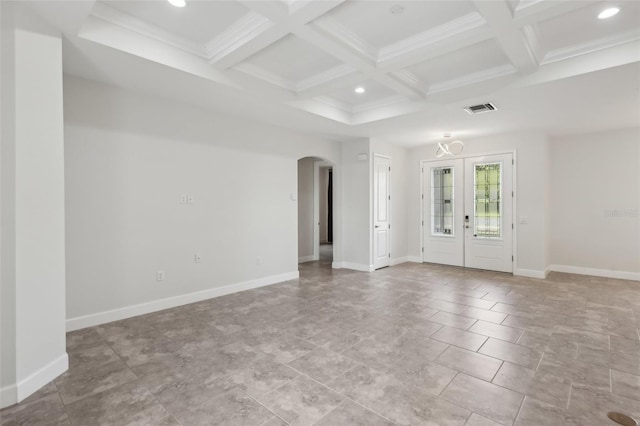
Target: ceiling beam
column 528, row 13
column 508, row 35
column 283, row 21
column 355, row 59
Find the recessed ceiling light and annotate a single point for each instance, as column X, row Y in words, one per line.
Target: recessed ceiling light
column 178, row 3
column 608, row 13
column 359, row 90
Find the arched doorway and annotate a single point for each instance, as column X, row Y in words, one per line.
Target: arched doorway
column 316, row 211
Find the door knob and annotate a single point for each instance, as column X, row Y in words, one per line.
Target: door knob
column 377, row 226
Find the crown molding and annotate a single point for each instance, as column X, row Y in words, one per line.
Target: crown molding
column 533, row 11
column 473, row 78
column 408, row 78
column 126, row 21
column 264, row 75
column 334, row 103
column 532, row 38
column 237, row 34
column 331, row 27
column 468, row 22
column 526, row 4
column 295, row 5
column 591, row 46
column 381, row 103
column 355, row 109
column 325, row 77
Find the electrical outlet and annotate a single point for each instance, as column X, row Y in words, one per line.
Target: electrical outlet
column 197, row 258
column 183, row 198
column 259, row 260
column 160, row 276
column 189, row 199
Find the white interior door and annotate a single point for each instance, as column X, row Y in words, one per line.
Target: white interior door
column 442, row 203
column 381, row 201
column 489, row 212
column 467, row 209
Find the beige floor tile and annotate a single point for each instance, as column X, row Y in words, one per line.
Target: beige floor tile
column 322, row 364
column 580, row 373
column 441, row 305
column 452, row 320
column 89, row 380
column 625, row 384
column 130, row 403
column 460, row 338
column 538, row 413
column 622, row 344
column 302, row 401
column 478, row 420
column 501, row 332
column 595, row 404
column 472, row 363
column 547, row 388
column 506, row 351
column 623, row 361
column 483, row 314
column 47, row 410
column 230, row 408
column 350, row 413
column 492, row 401
column 513, row 310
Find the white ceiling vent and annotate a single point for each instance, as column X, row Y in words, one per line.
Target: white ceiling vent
column 477, row 109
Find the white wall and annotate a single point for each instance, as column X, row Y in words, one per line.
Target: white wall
column 398, row 213
column 532, row 186
column 595, row 200
column 7, row 209
column 305, row 209
column 355, row 195
column 33, row 245
column 129, row 157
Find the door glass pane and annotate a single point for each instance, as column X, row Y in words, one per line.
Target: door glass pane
column 487, row 195
column 442, row 201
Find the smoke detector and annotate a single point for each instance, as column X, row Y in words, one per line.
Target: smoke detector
column 477, row 109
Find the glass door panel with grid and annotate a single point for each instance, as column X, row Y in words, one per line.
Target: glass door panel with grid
column 443, row 213
column 488, row 212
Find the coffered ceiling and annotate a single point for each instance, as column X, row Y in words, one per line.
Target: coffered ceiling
column 409, row 56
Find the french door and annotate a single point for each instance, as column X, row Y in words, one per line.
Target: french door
column 468, row 211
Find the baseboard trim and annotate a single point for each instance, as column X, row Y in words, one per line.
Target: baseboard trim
column 13, row 394
column 606, row 273
column 8, row 395
column 305, row 259
column 414, row 259
column 398, row 260
column 171, row 302
column 530, row 273
column 353, row 266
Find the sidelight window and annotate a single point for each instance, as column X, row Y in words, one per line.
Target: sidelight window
column 442, row 201
column 487, row 197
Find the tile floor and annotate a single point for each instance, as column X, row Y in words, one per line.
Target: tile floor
column 415, row 344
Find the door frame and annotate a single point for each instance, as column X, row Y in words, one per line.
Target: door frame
column 514, row 211
column 317, row 165
column 372, row 215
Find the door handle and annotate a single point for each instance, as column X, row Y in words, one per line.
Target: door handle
column 377, row 226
